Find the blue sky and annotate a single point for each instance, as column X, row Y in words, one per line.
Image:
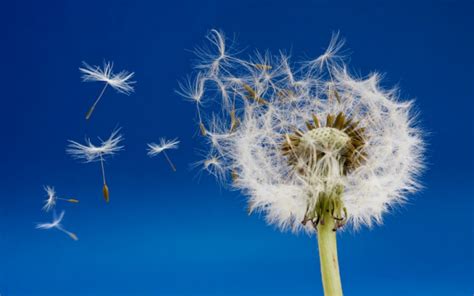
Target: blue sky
column 168, row 233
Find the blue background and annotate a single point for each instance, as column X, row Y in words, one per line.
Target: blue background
column 167, row 233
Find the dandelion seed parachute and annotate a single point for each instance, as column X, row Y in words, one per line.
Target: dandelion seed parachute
column 56, row 224
column 212, row 165
column 155, row 149
column 91, row 153
column 194, row 90
column 278, row 105
column 121, row 81
column 52, row 199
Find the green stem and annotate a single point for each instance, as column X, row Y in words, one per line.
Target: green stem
column 328, row 256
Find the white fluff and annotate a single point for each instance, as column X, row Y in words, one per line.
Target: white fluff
column 56, row 224
column 50, row 202
column 90, row 152
column 155, row 149
column 120, row 81
column 393, row 143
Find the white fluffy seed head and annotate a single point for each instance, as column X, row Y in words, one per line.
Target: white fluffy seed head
column 270, row 102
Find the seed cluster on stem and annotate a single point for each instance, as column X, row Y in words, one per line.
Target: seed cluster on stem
column 306, row 142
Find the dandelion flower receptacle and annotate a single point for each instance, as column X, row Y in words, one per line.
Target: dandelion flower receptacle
column 92, row 153
column 121, row 81
column 312, row 147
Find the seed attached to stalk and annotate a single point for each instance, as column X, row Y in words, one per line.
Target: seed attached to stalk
column 155, row 149
column 262, row 67
column 234, row 121
column 253, row 95
column 73, row 236
column 120, row 82
column 203, row 130
column 92, row 153
column 52, row 199
column 105, row 193
column 56, row 224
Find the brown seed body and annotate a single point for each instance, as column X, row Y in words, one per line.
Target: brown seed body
column 263, row 67
column 202, row 129
column 253, row 95
column 105, row 192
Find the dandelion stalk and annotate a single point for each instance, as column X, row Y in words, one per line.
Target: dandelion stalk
column 169, row 161
column 71, row 200
column 327, row 245
column 102, row 169
column 89, row 113
column 105, row 188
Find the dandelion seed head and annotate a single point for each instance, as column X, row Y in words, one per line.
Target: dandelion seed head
column 120, row 81
column 155, row 149
column 308, row 130
column 89, row 152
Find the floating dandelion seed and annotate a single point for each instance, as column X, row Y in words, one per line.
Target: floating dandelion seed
column 56, row 223
column 315, row 148
column 155, row 149
column 91, row 153
column 213, row 61
column 213, row 165
column 50, row 202
column 120, row 81
column 194, row 90
column 331, row 55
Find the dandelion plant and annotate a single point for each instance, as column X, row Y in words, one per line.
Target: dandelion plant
column 91, row 153
column 120, row 82
column 314, row 148
column 155, row 149
column 56, row 224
